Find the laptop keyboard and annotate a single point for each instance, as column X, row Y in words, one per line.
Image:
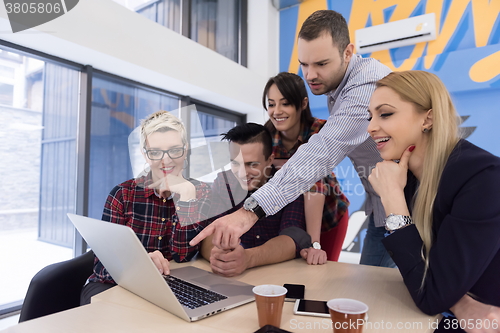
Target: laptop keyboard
column 190, row 295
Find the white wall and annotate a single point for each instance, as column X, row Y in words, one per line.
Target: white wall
column 110, row 37
column 263, row 43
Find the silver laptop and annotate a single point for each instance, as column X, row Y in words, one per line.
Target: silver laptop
column 126, row 259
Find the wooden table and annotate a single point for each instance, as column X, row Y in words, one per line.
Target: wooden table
column 382, row 289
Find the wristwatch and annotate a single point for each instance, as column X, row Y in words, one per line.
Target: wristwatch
column 316, row 245
column 395, row 222
column 253, row 206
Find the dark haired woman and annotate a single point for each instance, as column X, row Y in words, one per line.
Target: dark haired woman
column 292, row 124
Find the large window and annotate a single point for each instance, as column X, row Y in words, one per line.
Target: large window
column 217, row 24
column 38, row 112
column 64, row 144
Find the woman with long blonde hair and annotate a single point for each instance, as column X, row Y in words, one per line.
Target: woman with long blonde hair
column 441, row 198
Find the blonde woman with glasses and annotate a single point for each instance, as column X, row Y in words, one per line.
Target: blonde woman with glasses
column 163, row 208
column 440, row 195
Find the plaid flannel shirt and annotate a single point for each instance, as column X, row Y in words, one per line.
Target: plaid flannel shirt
column 228, row 196
column 336, row 202
column 160, row 224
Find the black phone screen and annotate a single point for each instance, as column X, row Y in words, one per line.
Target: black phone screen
column 313, row 306
column 295, row 291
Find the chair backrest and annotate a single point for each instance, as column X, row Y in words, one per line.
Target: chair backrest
column 57, row 287
column 356, row 222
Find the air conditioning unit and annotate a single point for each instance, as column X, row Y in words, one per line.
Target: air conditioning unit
column 396, row 34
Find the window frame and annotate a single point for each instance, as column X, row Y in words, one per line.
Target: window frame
column 87, row 73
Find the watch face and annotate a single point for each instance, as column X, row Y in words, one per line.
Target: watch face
column 392, row 222
column 316, row 245
column 250, row 203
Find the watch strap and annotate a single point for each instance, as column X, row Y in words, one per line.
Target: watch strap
column 254, row 207
column 259, row 212
column 403, row 220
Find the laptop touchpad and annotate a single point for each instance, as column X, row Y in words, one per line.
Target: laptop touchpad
column 229, row 289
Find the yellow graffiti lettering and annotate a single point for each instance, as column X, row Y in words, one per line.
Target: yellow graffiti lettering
column 453, row 17
column 486, row 68
column 385, row 58
column 435, row 7
column 485, row 13
column 361, row 9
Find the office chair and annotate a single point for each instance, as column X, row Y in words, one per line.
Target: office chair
column 57, row 287
column 332, row 241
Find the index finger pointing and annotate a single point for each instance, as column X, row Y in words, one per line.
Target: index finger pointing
column 210, row 229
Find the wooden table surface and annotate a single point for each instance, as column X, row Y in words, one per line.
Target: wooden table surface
column 382, row 289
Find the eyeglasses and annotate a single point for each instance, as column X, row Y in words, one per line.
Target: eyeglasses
column 158, row 154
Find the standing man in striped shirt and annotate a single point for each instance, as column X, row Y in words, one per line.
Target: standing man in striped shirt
column 330, row 67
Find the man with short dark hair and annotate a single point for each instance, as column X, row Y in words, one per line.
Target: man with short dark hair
column 330, row 67
column 272, row 239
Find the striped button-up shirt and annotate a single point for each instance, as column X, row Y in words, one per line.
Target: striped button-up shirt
column 344, row 134
column 336, row 202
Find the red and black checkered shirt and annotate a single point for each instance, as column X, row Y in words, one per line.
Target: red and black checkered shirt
column 161, row 224
column 336, row 202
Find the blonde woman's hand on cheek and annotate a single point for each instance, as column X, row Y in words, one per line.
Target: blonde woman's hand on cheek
column 389, row 177
column 389, row 180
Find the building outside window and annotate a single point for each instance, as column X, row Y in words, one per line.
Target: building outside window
column 41, row 165
column 38, row 112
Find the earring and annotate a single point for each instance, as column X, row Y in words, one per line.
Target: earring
column 425, row 130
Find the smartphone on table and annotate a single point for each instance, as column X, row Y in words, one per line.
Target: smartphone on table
column 294, row 292
column 306, row 307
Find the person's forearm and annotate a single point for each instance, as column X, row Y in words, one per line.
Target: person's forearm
column 461, row 304
column 275, row 250
column 313, row 209
column 395, row 203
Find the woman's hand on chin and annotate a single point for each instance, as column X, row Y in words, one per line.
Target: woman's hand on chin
column 388, row 179
column 175, row 184
column 389, row 176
